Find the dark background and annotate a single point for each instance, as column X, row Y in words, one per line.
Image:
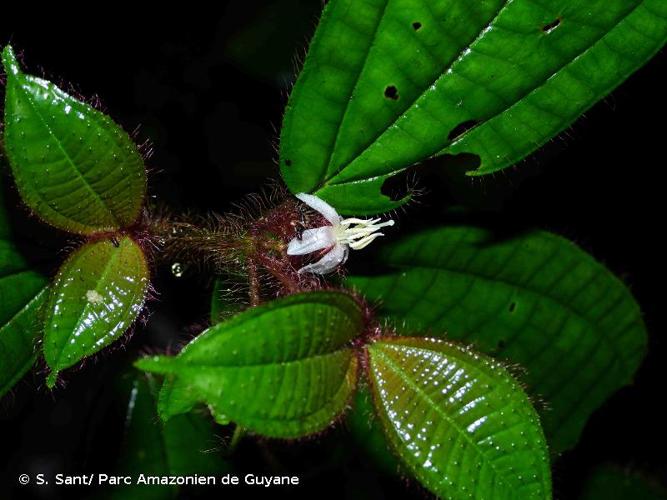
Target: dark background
column 207, row 89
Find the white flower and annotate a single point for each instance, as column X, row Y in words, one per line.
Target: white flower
column 336, row 239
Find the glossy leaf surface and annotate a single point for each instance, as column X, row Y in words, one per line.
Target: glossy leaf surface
column 459, row 421
column 95, row 297
column 21, row 295
column 186, row 445
column 389, row 83
column 73, row 166
column 536, row 300
column 284, row 369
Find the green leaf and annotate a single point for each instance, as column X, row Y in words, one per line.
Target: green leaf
column 95, row 297
column 186, row 445
column 458, row 420
column 284, row 369
column 536, row 300
column 387, row 84
column 21, row 296
column 18, row 337
column 73, row 166
column 364, row 426
column 176, row 397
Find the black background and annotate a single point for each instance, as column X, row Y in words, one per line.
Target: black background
column 208, row 90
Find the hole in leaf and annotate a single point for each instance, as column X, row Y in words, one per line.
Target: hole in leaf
column 288, row 163
column 400, row 185
column 431, row 178
column 461, row 162
column 391, row 92
column 512, row 307
column 548, row 28
column 461, row 129
column 416, row 25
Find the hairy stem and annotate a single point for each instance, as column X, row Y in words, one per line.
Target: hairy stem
column 250, row 243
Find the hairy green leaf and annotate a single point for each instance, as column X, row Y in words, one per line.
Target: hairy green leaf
column 285, row 369
column 535, row 299
column 389, row 83
column 186, row 445
column 21, row 296
column 458, row 420
column 95, row 297
column 73, row 165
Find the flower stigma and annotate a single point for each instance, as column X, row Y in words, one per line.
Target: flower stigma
column 335, row 239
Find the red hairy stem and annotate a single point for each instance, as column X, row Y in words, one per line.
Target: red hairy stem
column 279, row 270
column 250, row 242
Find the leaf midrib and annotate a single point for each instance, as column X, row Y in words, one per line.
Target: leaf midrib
column 352, row 364
column 198, row 365
column 25, row 366
column 330, row 181
column 96, row 195
column 459, row 56
column 543, row 295
column 25, row 306
column 87, row 305
column 408, row 381
column 353, row 88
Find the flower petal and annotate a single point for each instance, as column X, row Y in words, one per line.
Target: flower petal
column 321, row 206
column 312, row 240
column 332, row 259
